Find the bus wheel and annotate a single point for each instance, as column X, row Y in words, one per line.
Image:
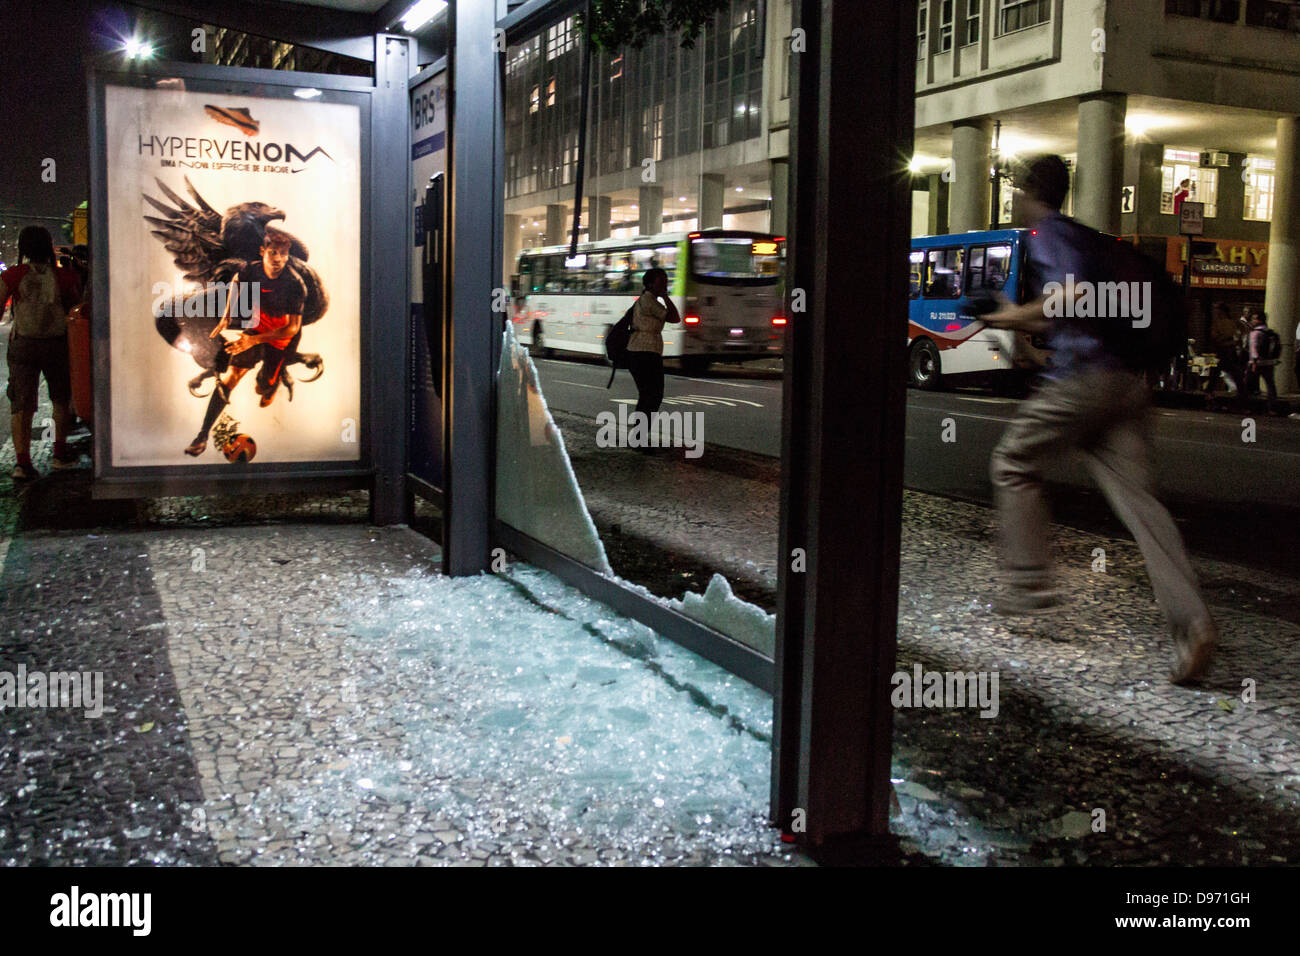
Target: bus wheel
column 924, row 367
column 694, row 365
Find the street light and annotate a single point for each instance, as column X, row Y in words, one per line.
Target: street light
column 418, row 14
column 136, row 48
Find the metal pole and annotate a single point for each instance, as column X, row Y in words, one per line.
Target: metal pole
column 841, row 501
column 995, row 177
column 582, row 129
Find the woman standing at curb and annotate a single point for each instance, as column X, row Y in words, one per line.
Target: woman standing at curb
column 645, row 349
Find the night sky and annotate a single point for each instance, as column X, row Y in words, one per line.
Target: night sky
column 48, row 48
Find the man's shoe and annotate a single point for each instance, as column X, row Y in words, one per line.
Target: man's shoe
column 196, row 447
column 24, row 473
column 1192, row 652
column 68, row 461
column 1014, row 602
column 269, row 397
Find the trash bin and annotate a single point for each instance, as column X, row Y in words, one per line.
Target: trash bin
column 79, row 360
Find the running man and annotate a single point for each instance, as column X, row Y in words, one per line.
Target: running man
column 1091, row 401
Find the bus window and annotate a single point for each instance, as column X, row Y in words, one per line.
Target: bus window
column 666, row 259
column 726, row 257
column 618, row 275
column 916, row 261
column 944, row 274
column 989, row 268
column 552, row 273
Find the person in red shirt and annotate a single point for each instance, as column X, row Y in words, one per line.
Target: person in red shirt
column 42, row 294
column 1184, row 190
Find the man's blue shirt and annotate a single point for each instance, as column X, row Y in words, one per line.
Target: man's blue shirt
column 1056, row 248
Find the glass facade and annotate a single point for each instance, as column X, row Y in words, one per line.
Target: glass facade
column 659, row 102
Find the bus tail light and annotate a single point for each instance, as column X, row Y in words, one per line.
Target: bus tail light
column 779, row 320
column 692, row 320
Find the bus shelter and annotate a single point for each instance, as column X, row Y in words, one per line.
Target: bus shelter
column 370, row 210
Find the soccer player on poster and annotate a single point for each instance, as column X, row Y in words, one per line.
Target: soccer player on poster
column 276, row 329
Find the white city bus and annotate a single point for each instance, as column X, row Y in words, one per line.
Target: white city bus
column 728, row 286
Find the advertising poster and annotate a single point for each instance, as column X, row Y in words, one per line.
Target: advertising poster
column 234, row 249
column 428, row 156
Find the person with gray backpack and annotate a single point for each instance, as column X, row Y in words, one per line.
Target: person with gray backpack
column 42, row 294
column 1263, row 349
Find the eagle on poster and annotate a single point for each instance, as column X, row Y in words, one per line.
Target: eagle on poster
column 229, row 256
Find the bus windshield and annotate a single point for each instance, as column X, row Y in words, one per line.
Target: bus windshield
column 736, row 257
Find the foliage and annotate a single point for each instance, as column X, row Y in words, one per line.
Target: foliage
column 617, row 23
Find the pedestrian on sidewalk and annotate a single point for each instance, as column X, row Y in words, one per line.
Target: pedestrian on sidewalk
column 1093, row 401
column 42, row 294
column 645, row 349
column 1224, row 343
column 1263, row 349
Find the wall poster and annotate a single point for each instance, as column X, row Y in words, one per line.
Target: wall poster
column 234, row 232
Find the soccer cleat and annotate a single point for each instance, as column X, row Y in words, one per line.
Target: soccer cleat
column 197, row 447
column 236, row 116
column 24, row 473
column 68, row 461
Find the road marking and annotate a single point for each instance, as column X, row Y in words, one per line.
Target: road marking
column 693, row 400
column 714, row 381
column 560, row 381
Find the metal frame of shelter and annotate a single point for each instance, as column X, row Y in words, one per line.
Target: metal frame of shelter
column 841, row 501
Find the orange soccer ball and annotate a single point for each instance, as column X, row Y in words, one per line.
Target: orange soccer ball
column 240, row 448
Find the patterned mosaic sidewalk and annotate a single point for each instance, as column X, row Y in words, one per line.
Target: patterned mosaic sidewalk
column 308, row 692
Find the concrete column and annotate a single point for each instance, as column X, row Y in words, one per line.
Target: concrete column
column 939, row 199
column 558, row 224
column 600, row 210
column 1282, row 287
column 779, row 223
column 712, row 197
column 968, row 195
column 1231, row 201
column 650, row 203
column 1099, row 172
column 512, row 241
column 1142, row 169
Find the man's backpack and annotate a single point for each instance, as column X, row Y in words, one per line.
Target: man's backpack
column 1270, row 347
column 616, row 342
column 1152, row 346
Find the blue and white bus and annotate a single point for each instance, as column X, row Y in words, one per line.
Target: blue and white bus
column 947, row 274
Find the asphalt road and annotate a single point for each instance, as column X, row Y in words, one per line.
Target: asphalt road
column 1244, row 490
